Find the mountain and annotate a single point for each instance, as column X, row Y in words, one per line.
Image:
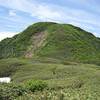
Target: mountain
column 53, row 40
column 46, row 62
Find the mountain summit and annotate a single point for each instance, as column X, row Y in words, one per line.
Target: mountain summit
column 49, row 39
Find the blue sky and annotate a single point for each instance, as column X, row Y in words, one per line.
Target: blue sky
column 16, row 15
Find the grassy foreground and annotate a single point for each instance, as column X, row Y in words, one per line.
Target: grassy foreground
column 73, row 81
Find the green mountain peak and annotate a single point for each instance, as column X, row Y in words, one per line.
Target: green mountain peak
column 49, row 39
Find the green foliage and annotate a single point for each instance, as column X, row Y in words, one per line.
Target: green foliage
column 69, row 81
column 63, row 41
column 71, row 43
column 66, row 63
column 65, row 44
column 8, row 68
column 36, row 85
column 17, row 45
column 11, row 91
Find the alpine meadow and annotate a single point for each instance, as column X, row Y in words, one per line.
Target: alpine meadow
column 50, row 61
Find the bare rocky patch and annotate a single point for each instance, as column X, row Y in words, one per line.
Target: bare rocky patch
column 39, row 38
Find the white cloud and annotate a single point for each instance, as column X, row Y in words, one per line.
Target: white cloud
column 46, row 11
column 17, row 19
column 12, row 13
column 6, row 34
column 51, row 12
column 16, row 26
column 20, row 5
column 85, row 26
column 35, row 9
column 11, row 26
column 96, row 34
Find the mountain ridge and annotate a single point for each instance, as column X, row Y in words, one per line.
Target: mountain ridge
column 60, row 41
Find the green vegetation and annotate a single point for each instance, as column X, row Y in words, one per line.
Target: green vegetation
column 17, row 45
column 65, row 67
column 64, row 41
column 67, row 42
column 36, row 85
column 8, row 68
column 66, row 63
column 74, row 82
column 11, row 91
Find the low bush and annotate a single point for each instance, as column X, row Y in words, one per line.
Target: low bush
column 11, row 91
column 7, row 69
column 66, row 63
column 36, row 85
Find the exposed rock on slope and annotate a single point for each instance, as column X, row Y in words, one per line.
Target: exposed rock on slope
column 38, row 40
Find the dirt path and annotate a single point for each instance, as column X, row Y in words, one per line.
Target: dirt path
column 37, row 43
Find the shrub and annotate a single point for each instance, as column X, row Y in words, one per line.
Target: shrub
column 7, row 69
column 66, row 63
column 36, row 85
column 11, row 91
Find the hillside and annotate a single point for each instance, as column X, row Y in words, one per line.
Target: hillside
column 46, row 62
column 74, row 81
column 17, row 45
column 53, row 40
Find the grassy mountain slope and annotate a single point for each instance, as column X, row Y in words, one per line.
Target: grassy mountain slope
column 63, row 41
column 17, row 45
column 67, row 42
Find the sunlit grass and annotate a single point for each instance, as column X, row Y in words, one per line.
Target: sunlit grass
column 70, row 82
